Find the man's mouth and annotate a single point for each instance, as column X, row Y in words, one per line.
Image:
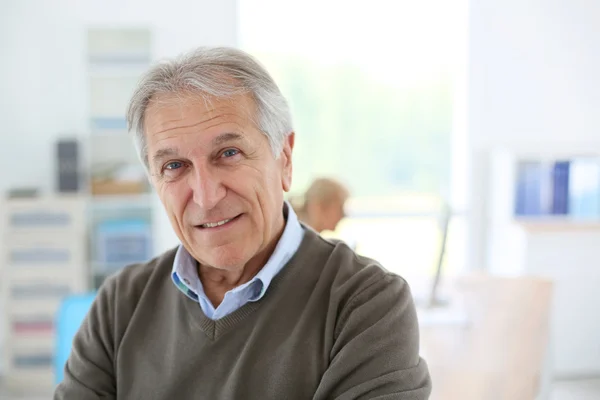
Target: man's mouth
column 218, row 223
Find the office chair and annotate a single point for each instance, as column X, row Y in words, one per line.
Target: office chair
column 71, row 313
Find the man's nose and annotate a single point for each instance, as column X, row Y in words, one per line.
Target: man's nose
column 207, row 187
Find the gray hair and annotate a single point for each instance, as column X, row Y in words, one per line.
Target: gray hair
column 213, row 72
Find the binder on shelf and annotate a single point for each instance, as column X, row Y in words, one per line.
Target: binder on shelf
column 122, row 242
column 37, row 291
column 44, row 215
column 42, row 359
column 68, row 168
column 38, row 219
column 562, row 187
column 35, row 324
column 584, row 194
column 534, row 189
column 560, row 200
column 39, row 256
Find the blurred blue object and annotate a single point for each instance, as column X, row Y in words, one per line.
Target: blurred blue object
column 71, row 313
column 124, row 241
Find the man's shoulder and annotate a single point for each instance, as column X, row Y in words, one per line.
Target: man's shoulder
column 350, row 273
column 352, row 282
column 132, row 280
column 122, row 294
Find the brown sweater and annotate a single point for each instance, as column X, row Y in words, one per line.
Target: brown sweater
column 331, row 325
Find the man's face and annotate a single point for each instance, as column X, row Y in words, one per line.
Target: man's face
column 217, row 178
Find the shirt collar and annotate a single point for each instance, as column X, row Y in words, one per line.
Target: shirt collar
column 185, row 273
column 284, row 250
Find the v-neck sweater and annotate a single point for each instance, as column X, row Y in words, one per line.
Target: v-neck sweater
column 332, row 325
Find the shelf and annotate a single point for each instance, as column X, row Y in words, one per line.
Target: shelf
column 557, row 223
column 116, row 59
column 118, row 202
column 108, row 268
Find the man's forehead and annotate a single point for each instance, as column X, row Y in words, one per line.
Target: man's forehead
column 166, row 110
column 173, row 116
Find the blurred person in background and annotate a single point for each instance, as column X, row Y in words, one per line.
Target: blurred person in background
column 322, row 206
column 251, row 305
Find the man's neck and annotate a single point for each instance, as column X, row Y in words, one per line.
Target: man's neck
column 216, row 282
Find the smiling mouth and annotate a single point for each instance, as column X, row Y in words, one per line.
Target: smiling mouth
column 209, row 225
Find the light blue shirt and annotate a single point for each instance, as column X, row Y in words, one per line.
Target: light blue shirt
column 185, row 272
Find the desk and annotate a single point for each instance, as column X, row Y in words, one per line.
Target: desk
column 501, row 353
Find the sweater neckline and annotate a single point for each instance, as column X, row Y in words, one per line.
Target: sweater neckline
column 216, row 328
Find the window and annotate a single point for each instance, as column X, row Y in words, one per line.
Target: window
column 372, row 92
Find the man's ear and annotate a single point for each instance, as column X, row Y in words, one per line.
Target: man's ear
column 286, row 160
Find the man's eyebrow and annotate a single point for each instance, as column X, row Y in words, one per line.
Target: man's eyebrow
column 227, row 137
column 162, row 153
column 217, row 141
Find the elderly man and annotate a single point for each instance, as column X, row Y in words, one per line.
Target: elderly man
column 252, row 304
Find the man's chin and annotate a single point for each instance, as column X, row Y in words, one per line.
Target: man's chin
column 225, row 259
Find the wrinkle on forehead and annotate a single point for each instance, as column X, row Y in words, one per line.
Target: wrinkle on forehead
column 242, row 106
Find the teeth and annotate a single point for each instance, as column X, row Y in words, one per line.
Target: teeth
column 215, row 224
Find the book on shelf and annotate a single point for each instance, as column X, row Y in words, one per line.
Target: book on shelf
column 28, row 327
column 30, row 360
column 585, row 188
column 558, row 188
column 40, row 290
column 39, row 256
column 123, row 241
column 534, row 189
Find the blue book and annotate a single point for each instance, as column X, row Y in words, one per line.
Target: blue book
column 534, row 189
column 560, row 188
column 122, row 242
column 584, row 188
column 545, row 177
column 521, row 190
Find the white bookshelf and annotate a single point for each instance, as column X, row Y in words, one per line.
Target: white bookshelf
column 562, row 248
column 42, row 260
column 117, row 57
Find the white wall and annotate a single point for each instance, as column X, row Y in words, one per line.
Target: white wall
column 533, row 77
column 534, row 87
column 43, row 69
column 42, row 83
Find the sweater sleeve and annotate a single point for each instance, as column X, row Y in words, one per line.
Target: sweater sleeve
column 376, row 346
column 89, row 372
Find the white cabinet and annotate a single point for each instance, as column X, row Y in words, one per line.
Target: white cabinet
column 42, row 260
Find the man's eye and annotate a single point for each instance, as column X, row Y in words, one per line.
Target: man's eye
column 174, row 165
column 230, row 153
